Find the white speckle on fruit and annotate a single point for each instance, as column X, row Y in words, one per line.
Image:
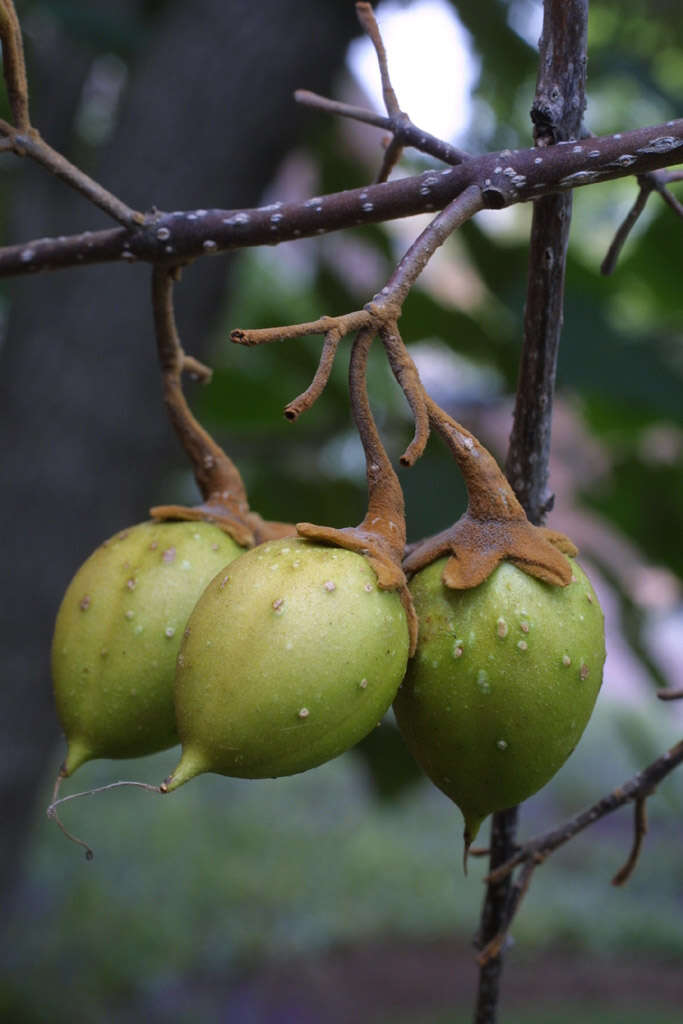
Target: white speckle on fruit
column 84, row 603
column 483, row 681
column 169, row 631
column 130, row 614
column 566, row 660
column 368, row 588
column 583, row 671
column 524, row 626
column 185, row 564
column 278, row 605
column 169, row 555
column 363, row 684
column 457, row 649
column 502, row 628
column 303, row 713
column 131, row 583
column 329, row 586
column 501, row 744
column 523, row 645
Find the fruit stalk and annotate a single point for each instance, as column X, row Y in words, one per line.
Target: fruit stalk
column 218, row 478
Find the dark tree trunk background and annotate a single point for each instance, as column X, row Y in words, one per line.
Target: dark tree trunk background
column 208, row 113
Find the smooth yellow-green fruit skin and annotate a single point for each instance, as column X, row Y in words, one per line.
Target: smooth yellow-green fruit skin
column 290, row 657
column 502, row 685
column 118, row 632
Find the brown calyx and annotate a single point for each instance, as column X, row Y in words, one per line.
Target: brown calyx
column 493, row 528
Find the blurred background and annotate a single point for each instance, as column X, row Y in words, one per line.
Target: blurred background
column 338, row 893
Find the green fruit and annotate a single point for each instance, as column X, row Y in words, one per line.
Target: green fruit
column 118, row 632
column 290, row 657
column 502, row 684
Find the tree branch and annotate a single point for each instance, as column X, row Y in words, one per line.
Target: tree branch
column 504, row 179
column 556, row 113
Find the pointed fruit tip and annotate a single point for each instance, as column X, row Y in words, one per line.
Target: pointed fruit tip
column 77, row 754
column 472, row 826
column 190, row 764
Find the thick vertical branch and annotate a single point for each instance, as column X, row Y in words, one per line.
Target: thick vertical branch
column 557, row 112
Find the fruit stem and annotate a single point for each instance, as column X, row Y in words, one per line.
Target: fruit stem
column 381, row 535
column 218, row 478
column 386, row 510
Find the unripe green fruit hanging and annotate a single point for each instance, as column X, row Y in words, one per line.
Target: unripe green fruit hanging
column 290, row 657
column 117, row 636
column 502, row 685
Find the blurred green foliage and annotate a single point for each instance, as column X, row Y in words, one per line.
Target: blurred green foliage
column 226, row 876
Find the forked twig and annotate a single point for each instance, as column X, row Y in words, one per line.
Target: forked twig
column 403, row 131
column 403, row 127
column 381, row 314
column 534, row 852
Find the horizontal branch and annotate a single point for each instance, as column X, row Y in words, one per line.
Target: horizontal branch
column 504, row 178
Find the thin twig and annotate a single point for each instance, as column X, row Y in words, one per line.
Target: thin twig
column 639, row 833
column 410, row 134
column 672, row 201
column 394, row 150
column 413, row 262
column 29, row 143
column 22, row 138
column 652, row 181
column 344, row 324
column 55, row 803
column 640, row 785
column 14, row 66
column 610, row 261
column 670, row 694
column 307, row 398
column 367, row 19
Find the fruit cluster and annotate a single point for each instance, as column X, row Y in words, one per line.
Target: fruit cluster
column 271, row 661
